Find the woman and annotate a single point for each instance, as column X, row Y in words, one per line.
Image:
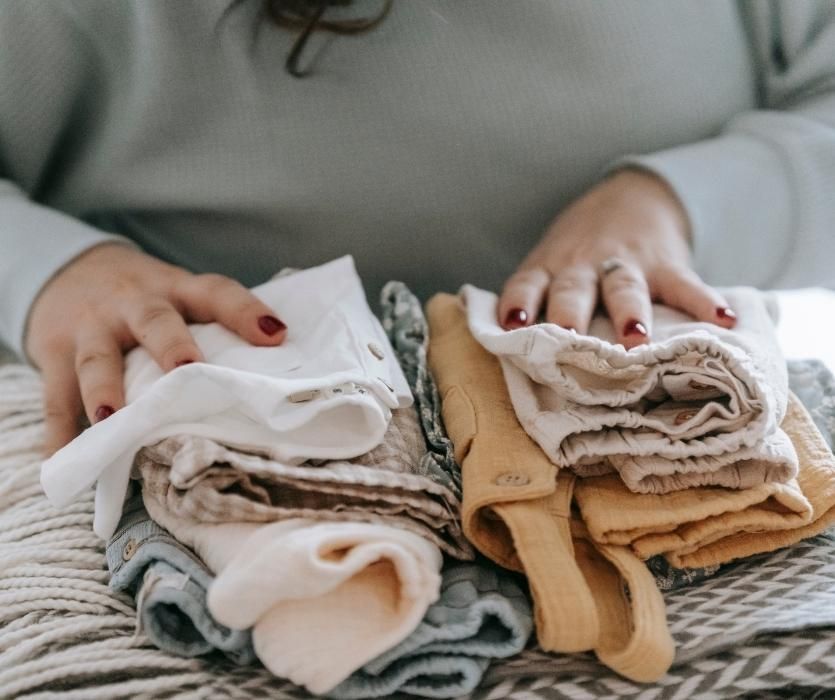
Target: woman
column 144, row 142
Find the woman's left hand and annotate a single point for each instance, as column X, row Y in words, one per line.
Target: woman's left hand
column 624, row 243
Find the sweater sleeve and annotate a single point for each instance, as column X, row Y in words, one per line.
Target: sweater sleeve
column 46, row 78
column 760, row 195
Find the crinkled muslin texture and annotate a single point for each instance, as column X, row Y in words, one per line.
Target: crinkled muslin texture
column 685, row 525
column 201, row 479
column 169, row 583
column 326, row 392
column 322, row 598
column 481, row 615
column 817, row 483
column 700, row 405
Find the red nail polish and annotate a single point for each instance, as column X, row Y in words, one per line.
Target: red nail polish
column 516, row 318
column 183, row 362
column 634, row 327
column 270, row 325
column 725, row 313
column 103, row 412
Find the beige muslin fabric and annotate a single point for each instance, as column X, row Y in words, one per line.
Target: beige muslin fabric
column 707, row 526
column 198, row 477
column 517, row 511
column 698, row 406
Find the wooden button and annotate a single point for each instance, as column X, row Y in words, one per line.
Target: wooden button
column 511, row 479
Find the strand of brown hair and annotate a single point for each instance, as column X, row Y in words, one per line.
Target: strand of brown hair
column 308, row 16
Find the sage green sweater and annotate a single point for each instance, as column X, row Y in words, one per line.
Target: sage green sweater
column 435, row 148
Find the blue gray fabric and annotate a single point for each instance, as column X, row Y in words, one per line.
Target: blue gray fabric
column 814, row 385
column 170, row 585
column 482, row 614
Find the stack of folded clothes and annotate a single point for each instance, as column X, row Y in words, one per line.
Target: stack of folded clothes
column 581, row 460
column 304, row 506
column 293, row 503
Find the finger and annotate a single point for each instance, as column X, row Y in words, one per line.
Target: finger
column 626, row 297
column 683, row 289
column 572, row 297
column 62, row 402
column 99, row 367
column 522, row 297
column 159, row 327
column 208, row 298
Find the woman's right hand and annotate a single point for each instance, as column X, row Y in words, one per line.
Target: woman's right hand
column 111, row 299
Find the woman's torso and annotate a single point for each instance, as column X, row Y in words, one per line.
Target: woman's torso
column 434, row 148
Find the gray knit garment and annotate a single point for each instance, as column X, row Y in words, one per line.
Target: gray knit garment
column 435, row 148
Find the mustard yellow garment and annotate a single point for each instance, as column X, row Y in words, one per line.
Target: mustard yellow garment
column 517, row 511
column 700, row 527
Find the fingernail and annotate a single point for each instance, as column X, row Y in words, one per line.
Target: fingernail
column 516, row 318
column 183, row 362
column 725, row 313
column 634, row 327
column 103, row 412
column 271, row 325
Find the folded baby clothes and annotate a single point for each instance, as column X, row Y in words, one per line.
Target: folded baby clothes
column 698, row 406
column 517, row 511
column 709, row 526
column 200, row 478
column 814, row 385
column 481, row 615
column 169, row 583
column 322, row 598
column 326, row 392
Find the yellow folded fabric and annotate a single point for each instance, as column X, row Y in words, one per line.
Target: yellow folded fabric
column 517, row 511
column 711, row 525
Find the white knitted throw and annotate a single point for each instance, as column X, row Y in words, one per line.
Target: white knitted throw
column 63, row 632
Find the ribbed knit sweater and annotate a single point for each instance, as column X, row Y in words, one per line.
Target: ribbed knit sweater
column 435, row 148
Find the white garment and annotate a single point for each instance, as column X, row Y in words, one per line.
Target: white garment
column 699, row 405
column 325, row 393
column 322, row 599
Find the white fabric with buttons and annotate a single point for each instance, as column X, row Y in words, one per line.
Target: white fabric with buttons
column 698, row 406
column 326, row 393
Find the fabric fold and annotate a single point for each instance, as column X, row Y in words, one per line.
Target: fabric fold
column 482, row 614
column 326, row 392
column 169, row 583
column 322, row 599
column 711, row 526
column 200, row 478
column 682, row 411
